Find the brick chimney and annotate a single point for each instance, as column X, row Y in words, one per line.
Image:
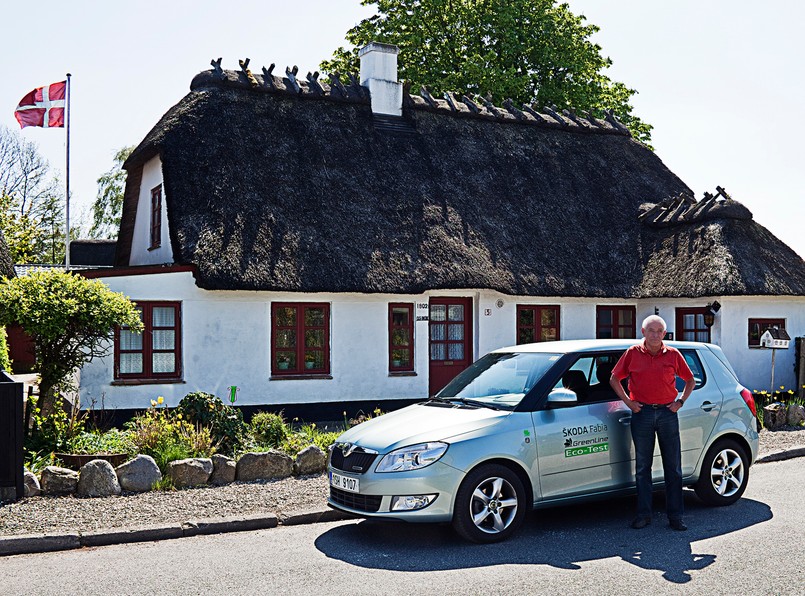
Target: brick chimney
column 379, row 74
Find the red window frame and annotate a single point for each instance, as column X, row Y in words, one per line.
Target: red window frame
column 147, row 348
column 398, row 330
column 699, row 331
column 537, row 331
column 615, row 329
column 156, row 217
column 756, row 328
column 302, row 357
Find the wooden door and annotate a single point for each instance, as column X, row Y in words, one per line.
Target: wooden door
column 450, row 339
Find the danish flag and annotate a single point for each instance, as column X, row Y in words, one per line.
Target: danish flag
column 44, row 106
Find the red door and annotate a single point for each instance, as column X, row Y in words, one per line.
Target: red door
column 450, row 335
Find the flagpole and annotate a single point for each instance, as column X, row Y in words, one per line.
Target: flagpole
column 67, row 181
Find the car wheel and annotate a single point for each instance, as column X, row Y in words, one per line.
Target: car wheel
column 725, row 474
column 490, row 504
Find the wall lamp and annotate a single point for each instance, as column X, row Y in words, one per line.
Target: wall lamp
column 710, row 315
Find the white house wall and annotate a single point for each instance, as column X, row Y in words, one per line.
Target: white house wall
column 140, row 253
column 226, row 341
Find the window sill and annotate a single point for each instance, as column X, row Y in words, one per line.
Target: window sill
column 117, row 382
column 300, row 377
column 402, row 373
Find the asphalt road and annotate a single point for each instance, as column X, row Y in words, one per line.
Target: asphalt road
column 754, row 547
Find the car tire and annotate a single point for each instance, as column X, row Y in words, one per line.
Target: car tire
column 490, row 504
column 724, row 475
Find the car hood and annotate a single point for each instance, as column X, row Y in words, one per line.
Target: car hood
column 418, row 424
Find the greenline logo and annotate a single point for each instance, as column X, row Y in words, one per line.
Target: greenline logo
column 587, row 450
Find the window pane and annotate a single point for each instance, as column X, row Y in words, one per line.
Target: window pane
column 286, row 338
column 286, row 360
column 455, row 351
column 437, row 352
column 525, row 336
column 702, row 336
column 314, row 338
column 400, row 337
column 163, row 362
column 314, row 317
column 401, row 358
column 548, row 334
column 163, row 316
column 688, row 321
column 689, row 336
column 525, row 317
column 286, row 317
column 437, row 332
column 314, row 359
column 164, row 339
column 605, row 318
column 131, row 363
column 625, row 316
column 438, row 312
column 400, row 316
column 130, row 341
column 700, row 321
column 548, row 317
column 455, row 312
column 455, row 332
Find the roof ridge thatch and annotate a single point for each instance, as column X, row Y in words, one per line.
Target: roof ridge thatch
column 336, row 90
column 684, row 209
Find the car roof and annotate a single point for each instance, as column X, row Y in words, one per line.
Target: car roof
column 590, row 345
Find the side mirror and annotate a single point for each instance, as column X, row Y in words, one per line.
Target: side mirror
column 562, row 397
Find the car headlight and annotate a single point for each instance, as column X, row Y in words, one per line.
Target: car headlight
column 413, row 457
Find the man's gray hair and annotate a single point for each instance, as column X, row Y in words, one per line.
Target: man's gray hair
column 654, row 319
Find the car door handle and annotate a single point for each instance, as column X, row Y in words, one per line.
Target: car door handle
column 707, row 406
column 625, row 420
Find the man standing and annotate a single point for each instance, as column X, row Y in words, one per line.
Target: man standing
column 652, row 368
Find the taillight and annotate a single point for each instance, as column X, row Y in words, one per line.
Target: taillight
column 750, row 401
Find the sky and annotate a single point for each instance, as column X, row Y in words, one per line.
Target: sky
column 721, row 81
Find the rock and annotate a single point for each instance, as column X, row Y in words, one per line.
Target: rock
column 311, row 460
column 97, row 479
column 264, row 466
column 194, row 471
column 774, row 416
column 795, row 415
column 32, row 488
column 138, row 475
column 223, row 470
column 58, row 481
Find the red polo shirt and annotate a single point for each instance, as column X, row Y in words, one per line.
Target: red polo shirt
column 652, row 378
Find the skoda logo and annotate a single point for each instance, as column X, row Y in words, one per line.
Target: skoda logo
column 347, row 448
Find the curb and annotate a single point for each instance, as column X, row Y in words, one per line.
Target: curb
column 41, row 543
column 781, row 455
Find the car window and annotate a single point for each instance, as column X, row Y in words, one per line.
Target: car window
column 692, row 358
column 588, row 377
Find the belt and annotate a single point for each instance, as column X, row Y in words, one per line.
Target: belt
column 655, row 406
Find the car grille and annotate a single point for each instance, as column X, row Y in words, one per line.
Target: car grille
column 368, row 503
column 358, row 461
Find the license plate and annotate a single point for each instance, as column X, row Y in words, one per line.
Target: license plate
column 347, row 483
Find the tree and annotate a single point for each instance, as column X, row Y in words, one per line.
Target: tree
column 532, row 51
column 70, row 320
column 108, row 205
column 32, row 202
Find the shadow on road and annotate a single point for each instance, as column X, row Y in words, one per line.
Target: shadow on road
column 561, row 537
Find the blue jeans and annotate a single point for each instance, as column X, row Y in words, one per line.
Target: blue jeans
column 663, row 423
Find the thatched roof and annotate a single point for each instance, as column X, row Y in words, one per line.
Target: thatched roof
column 277, row 184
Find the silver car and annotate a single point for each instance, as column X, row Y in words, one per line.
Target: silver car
column 533, row 426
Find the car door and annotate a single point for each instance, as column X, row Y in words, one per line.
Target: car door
column 697, row 417
column 586, row 446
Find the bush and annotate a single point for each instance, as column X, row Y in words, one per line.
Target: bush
column 112, row 441
column 5, row 361
column 225, row 422
column 269, row 429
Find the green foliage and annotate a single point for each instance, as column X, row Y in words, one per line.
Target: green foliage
column 225, row 422
column 269, row 429
column 36, row 461
column 70, row 319
column 108, row 205
column 782, row 395
column 5, row 361
column 94, row 442
column 532, row 51
column 52, row 431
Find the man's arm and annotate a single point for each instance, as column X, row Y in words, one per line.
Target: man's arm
column 615, row 383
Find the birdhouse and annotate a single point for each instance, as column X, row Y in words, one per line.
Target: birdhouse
column 775, row 338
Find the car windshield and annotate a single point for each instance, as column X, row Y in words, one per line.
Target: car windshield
column 499, row 379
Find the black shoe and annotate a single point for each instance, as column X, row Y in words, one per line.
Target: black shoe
column 639, row 523
column 678, row 524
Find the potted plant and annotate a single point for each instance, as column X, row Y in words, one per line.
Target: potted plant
column 309, row 360
column 283, row 361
